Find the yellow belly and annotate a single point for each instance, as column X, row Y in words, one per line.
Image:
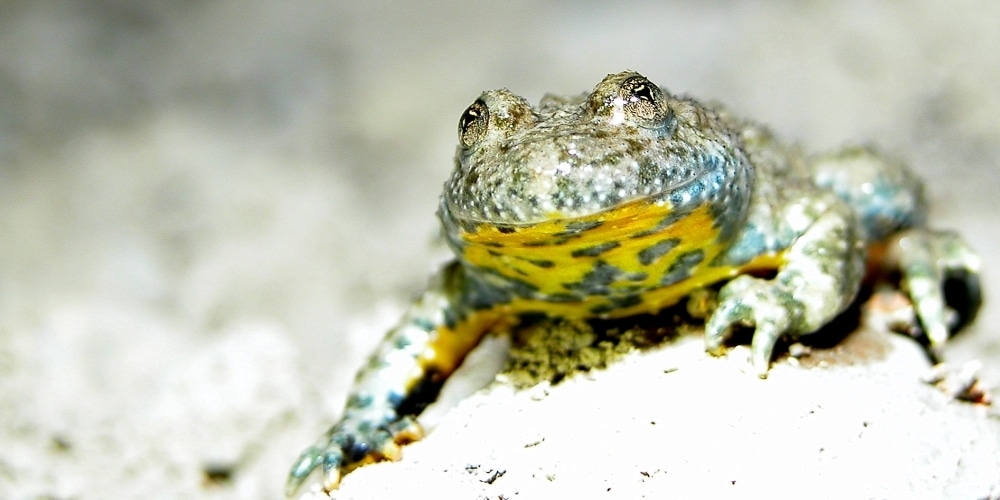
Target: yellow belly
column 630, row 259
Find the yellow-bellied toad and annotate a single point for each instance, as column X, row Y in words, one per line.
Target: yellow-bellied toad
column 623, row 201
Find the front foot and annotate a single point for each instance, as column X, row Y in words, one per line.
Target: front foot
column 930, row 263
column 766, row 305
column 350, row 444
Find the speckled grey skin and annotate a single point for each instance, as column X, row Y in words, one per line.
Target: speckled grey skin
column 623, row 201
column 572, row 157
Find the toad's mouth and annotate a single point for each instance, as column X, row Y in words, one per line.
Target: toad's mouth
column 548, row 203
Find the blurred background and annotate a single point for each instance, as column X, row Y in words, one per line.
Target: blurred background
column 211, row 210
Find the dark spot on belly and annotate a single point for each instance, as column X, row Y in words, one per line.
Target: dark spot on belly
column 637, row 277
column 597, row 281
column 594, row 251
column 669, row 220
column 487, row 287
column 563, row 297
column 542, row 263
column 539, row 243
column 657, row 250
column 682, row 267
column 577, row 227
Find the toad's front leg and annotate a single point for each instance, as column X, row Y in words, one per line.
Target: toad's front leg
column 820, row 275
column 402, row 377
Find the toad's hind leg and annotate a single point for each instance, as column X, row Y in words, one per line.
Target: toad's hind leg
column 883, row 193
column 890, row 204
column 401, row 377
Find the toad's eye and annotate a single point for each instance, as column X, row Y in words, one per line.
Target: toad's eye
column 474, row 124
column 644, row 103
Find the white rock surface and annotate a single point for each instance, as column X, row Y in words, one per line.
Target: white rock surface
column 675, row 423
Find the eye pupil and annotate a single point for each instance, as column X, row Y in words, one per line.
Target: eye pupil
column 474, row 124
column 642, row 92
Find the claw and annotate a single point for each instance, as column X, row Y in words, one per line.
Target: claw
column 927, row 260
column 762, row 347
column 331, row 471
column 715, row 335
column 752, row 302
column 728, row 313
column 311, row 458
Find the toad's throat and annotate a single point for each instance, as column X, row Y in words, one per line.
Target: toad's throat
column 637, row 257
